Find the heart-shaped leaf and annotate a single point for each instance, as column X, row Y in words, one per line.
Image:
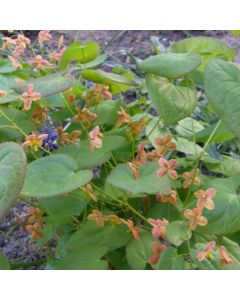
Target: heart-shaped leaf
column 173, row 102
column 170, row 260
column 12, row 174
column 139, row 251
column 110, row 236
column 117, row 83
column 207, row 47
column 86, row 258
column 87, row 159
column 47, row 85
column 222, row 84
column 80, row 53
column 171, row 65
column 53, row 175
column 149, row 183
column 177, row 233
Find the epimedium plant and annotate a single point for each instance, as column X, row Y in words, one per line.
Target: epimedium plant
column 115, row 185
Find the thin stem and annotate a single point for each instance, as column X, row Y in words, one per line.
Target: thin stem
column 123, row 203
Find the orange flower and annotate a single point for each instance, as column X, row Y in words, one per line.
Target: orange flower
column 22, row 41
column 188, row 178
column 15, row 62
column 95, row 138
column 134, row 230
column 205, row 198
column 39, row 115
column 2, row 94
column 89, row 191
column 171, row 198
column 39, row 63
column 35, row 215
column 141, row 157
column 167, row 168
column 136, row 127
column 18, row 52
column 195, row 217
column 207, row 252
column 134, row 169
column 153, row 155
column 34, row 229
column 96, row 95
column 159, row 227
column 123, row 117
column 8, row 42
column 225, row 258
column 29, row 96
column 165, row 144
column 44, row 36
column 34, row 141
column 68, row 138
column 157, row 249
column 84, row 115
column 97, row 216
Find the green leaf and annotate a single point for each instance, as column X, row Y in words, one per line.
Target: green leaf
column 224, row 219
column 177, row 233
column 61, row 208
column 53, row 175
column 188, row 147
column 164, row 210
column 12, row 174
column 235, row 33
column 222, row 134
column 117, row 83
column 139, row 251
column 186, row 127
column 228, row 166
column 85, row 258
column 20, row 118
column 222, row 84
column 170, row 260
column 6, row 67
column 48, row 85
column 173, row 102
column 149, row 183
column 86, row 159
column 4, row 264
column 207, row 47
column 171, row 65
column 110, row 236
column 118, row 260
column 80, row 53
column 107, row 112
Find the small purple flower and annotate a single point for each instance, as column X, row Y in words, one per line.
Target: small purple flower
column 50, row 142
column 90, row 84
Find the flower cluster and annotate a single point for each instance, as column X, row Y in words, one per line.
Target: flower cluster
column 204, row 200
column 207, row 252
column 84, row 116
column 96, row 94
column 100, row 219
column 66, row 138
column 35, row 222
column 16, row 45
